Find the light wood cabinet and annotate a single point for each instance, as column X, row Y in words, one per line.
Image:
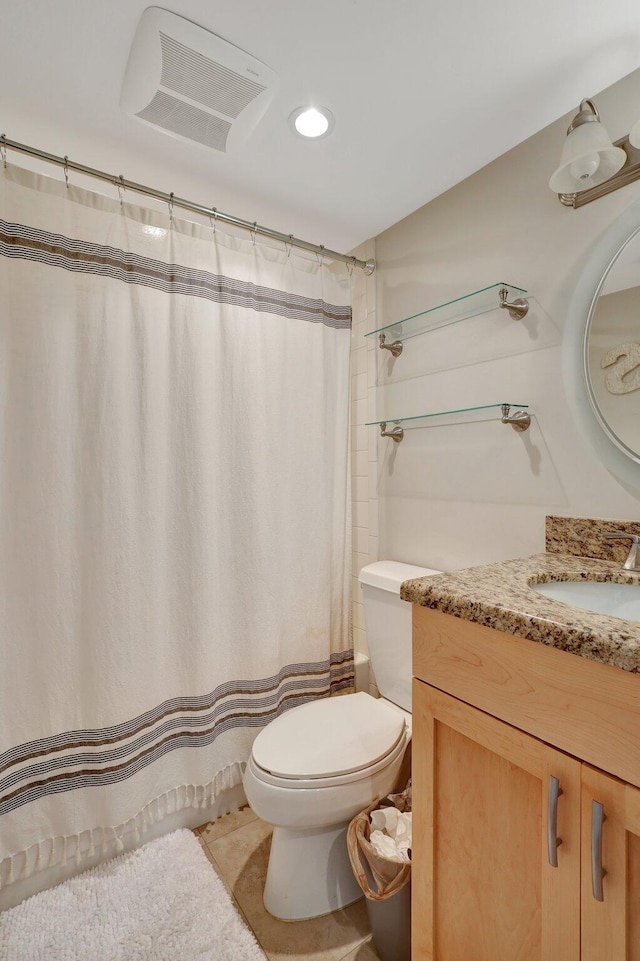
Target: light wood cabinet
column 611, row 927
column 489, row 881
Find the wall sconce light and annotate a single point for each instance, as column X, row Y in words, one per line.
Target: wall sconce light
column 590, row 165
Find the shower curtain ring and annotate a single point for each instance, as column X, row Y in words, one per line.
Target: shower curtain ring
column 170, row 205
column 119, row 182
column 254, row 232
column 350, row 265
column 3, row 150
column 320, row 254
column 66, row 171
column 214, row 221
column 288, row 245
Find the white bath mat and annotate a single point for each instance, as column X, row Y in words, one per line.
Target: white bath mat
column 162, row 902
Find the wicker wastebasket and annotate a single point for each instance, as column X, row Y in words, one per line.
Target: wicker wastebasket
column 386, row 885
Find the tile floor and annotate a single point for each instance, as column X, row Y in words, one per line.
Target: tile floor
column 237, row 846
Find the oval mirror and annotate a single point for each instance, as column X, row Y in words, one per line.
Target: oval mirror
column 612, row 349
column 602, row 348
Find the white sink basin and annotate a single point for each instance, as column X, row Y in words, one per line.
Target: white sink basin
column 617, row 600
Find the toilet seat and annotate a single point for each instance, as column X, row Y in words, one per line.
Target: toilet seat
column 335, row 739
column 301, row 784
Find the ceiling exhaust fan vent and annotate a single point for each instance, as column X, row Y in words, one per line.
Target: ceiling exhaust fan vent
column 183, row 120
column 193, row 85
column 188, row 72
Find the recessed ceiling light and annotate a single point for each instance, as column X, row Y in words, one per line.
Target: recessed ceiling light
column 312, row 122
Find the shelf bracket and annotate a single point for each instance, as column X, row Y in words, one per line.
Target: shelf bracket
column 396, row 433
column 518, row 308
column 520, row 420
column 395, row 348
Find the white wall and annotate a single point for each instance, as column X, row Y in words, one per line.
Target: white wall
column 462, row 494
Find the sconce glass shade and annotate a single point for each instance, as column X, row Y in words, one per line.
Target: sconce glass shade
column 588, row 159
column 634, row 135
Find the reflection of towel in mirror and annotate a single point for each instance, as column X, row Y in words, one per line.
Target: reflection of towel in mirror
column 626, row 358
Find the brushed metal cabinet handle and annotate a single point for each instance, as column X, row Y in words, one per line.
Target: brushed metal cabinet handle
column 598, row 818
column 553, row 841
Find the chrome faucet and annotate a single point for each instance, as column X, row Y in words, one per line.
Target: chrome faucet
column 632, row 562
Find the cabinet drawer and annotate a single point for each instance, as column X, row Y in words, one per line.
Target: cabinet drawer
column 588, row 709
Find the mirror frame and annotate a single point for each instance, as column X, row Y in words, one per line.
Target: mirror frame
column 604, row 253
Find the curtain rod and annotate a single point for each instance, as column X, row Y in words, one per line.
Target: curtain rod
column 119, row 181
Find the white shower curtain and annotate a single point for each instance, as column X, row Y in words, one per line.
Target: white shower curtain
column 174, row 512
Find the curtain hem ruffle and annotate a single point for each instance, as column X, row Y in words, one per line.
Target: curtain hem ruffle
column 109, row 841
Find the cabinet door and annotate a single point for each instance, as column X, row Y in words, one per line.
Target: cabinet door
column 611, row 926
column 483, row 885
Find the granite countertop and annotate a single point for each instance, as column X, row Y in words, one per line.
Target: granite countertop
column 500, row 596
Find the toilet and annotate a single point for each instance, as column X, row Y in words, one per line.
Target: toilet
column 312, row 769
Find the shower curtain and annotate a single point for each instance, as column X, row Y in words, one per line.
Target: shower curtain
column 174, row 512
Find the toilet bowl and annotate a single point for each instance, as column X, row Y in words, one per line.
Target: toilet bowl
column 312, row 769
column 310, row 796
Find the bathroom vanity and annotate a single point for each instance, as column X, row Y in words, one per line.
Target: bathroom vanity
column 526, row 767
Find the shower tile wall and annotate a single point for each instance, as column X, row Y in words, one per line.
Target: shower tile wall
column 363, row 440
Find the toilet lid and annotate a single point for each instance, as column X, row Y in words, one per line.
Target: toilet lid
column 329, row 737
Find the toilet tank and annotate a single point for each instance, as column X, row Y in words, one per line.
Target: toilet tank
column 388, row 626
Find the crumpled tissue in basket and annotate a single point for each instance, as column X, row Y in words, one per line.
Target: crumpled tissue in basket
column 391, row 833
column 379, row 876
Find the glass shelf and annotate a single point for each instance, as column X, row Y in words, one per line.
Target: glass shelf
column 469, row 305
column 510, row 413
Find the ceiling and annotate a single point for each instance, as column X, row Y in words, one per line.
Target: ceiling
column 423, row 93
